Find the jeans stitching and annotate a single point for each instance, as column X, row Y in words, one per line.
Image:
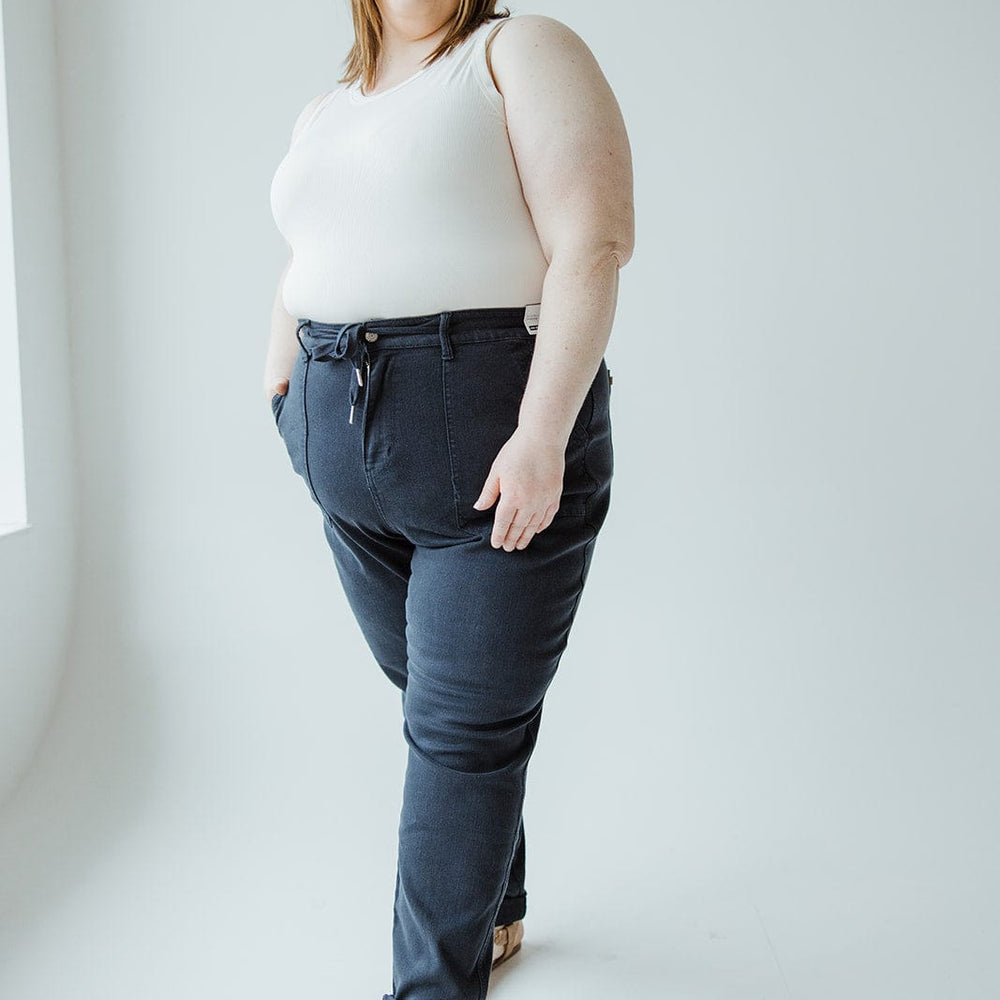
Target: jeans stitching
column 305, row 441
column 448, row 426
column 369, row 480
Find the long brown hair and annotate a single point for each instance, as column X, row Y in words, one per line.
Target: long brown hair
column 362, row 59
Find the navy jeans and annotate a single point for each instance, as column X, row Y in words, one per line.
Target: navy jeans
column 393, row 425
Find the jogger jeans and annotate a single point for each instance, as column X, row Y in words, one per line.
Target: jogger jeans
column 393, row 425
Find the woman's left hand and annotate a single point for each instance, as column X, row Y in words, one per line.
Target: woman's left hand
column 527, row 475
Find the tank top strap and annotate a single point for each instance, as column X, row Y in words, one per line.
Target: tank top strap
column 480, row 65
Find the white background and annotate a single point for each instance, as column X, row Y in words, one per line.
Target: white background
column 767, row 767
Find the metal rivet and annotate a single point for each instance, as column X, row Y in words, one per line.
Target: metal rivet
column 371, row 335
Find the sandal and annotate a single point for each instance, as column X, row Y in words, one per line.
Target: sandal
column 507, row 937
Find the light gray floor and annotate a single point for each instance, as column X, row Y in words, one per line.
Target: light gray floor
column 692, row 846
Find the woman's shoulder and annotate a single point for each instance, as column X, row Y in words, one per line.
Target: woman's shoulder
column 519, row 27
column 521, row 37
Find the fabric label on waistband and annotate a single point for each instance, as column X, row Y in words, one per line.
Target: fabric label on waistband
column 531, row 314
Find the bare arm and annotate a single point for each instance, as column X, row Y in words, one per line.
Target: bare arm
column 575, row 164
column 284, row 345
column 574, row 161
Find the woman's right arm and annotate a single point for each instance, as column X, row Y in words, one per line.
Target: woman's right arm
column 284, row 345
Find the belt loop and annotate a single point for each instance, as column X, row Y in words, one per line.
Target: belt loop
column 443, row 322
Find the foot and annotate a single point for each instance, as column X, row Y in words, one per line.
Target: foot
column 506, row 941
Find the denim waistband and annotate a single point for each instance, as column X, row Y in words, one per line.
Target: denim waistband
column 355, row 340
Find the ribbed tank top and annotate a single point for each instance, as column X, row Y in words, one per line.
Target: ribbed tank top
column 408, row 201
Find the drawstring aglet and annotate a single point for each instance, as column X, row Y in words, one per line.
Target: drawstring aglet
column 354, row 394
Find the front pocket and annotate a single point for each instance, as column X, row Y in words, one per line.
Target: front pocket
column 277, row 401
column 483, row 387
column 291, row 424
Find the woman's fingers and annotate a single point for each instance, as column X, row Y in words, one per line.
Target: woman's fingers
column 521, row 511
column 513, row 528
column 279, row 387
column 526, row 535
column 531, row 530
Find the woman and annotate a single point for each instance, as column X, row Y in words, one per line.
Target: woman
column 457, row 211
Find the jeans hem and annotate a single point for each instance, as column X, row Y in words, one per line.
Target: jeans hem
column 512, row 908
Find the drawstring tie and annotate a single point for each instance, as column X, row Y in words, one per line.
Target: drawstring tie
column 332, row 344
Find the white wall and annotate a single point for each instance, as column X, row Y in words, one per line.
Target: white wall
column 767, row 763
column 37, row 564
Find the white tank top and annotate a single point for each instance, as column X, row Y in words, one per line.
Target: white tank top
column 408, row 201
